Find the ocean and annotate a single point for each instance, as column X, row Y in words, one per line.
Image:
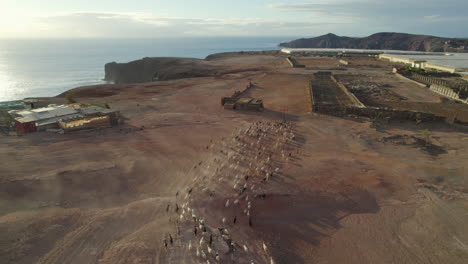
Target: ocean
column 48, row 67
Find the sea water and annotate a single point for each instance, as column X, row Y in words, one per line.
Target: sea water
column 48, row 67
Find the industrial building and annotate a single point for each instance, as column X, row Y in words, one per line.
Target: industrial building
column 66, row 117
column 453, row 63
column 464, row 75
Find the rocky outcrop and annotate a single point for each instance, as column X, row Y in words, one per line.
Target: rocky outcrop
column 151, row 69
column 388, row 41
column 162, row 69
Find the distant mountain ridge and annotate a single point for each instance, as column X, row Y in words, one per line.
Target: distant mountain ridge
column 385, row 40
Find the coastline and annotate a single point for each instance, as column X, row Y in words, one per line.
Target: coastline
column 43, row 68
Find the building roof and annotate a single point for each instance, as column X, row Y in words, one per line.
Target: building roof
column 46, row 113
column 90, row 110
column 54, row 113
column 58, row 118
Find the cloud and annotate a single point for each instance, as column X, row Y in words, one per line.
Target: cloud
column 446, row 18
column 432, row 17
column 143, row 25
column 377, row 8
column 306, row 18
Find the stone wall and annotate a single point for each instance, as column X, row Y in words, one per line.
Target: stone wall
column 377, row 113
column 447, row 92
column 410, row 80
column 351, row 96
column 453, row 90
column 293, row 62
column 434, row 80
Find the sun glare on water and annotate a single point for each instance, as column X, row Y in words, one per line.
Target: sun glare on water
column 8, row 89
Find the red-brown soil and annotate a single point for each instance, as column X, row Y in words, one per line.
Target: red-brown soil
column 338, row 191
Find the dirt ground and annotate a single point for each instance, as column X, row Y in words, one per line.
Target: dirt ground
column 185, row 181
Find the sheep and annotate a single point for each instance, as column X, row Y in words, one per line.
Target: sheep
column 236, row 201
column 272, row 261
column 198, row 252
column 224, row 220
column 246, row 249
column 243, row 190
column 202, row 240
column 217, row 257
column 227, row 204
column 190, row 245
column 264, row 247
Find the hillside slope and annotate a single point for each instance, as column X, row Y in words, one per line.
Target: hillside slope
column 389, row 41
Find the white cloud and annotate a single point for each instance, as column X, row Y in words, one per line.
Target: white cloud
column 432, row 17
column 306, row 18
column 142, row 25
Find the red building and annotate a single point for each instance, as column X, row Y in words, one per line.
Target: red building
column 25, row 127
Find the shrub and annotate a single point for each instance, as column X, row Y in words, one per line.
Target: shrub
column 70, row 96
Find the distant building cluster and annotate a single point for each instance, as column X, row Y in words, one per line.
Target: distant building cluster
column 65, row 118
column 450, row 63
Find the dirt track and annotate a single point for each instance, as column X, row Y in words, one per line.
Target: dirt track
column 337, row 192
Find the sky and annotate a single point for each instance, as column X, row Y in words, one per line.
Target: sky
column 189, row 18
